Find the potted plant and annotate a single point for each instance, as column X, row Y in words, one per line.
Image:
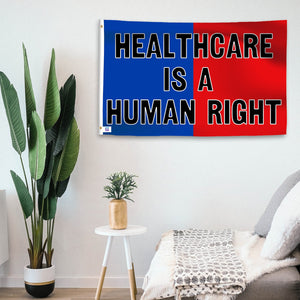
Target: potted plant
column 53, row 147
column 121, row 186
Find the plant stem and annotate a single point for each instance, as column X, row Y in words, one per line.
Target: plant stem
column 52, row 230
column 33, row 219
column 50, row 241
column 27, row 232
column 33, row 198
column 42, row 211
column 48, row 234
column 48, row 252
column 24, row 172
column 30, row 242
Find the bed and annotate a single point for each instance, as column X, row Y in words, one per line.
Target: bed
column 280, row 285
column 269, row 255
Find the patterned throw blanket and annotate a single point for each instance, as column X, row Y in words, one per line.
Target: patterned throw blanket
column 206, row 263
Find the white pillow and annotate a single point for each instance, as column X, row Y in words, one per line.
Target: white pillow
column 284, row 235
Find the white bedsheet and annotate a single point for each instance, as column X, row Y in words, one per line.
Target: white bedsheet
column 159, row 281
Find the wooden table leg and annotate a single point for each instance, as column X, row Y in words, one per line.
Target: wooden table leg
column 130, row 269
column 100, row 283
column 135, row 289
column 104, row 267
column 132, row 285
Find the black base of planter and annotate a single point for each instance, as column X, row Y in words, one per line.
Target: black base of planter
column 40, row 291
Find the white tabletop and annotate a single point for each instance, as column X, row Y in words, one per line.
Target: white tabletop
column 130, row 230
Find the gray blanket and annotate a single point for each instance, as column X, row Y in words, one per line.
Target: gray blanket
column 206, row 263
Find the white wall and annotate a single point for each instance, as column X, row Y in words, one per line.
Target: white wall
column 183, row 181
column 3, row 229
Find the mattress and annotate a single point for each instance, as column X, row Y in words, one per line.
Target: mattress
column 280, row 285
column 265, row 279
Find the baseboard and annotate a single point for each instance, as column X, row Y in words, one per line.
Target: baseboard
column 74, row 282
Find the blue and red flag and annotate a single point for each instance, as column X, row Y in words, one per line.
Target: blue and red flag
column 193, row 79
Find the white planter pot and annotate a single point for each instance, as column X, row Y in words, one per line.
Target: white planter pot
column 39, row 283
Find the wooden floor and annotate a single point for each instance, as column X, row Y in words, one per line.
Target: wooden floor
column 70, row 294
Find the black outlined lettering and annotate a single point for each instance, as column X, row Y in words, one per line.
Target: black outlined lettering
column 264, row 45
column 183, row 43
column 153, row 46
column 113, row 112
column 187, row 111
column 179, row 84
column 166, row 79
column 131, row 120
column 205, row 80
column 250, row 43
column 239, row 113
column 214, row 110
column 203, row 45
column 167, row 52
column 213, row 47
column 125, row 45
column 234, row 47
column 136, row 45
column 170, row 113
column 150, row 113
column 273, row 109
column 256, row 112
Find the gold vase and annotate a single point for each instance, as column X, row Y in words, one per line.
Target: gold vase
column 118, row 214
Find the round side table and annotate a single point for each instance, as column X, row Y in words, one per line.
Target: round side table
column 125, row 233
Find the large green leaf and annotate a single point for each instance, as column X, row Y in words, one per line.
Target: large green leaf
column 70, row 152
column 43, row 184
column 52, row 103
column 59, row 131
column 51, row 134
column 50, row 203
column 29, row 95
column 23, row 194
column 61, row 187
column 37, row 147
column 65, row 163
column 13, row 113
column 67, row 98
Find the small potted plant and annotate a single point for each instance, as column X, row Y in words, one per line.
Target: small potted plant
column 121, row 186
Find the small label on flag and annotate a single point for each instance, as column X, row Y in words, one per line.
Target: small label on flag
column 106, row 129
